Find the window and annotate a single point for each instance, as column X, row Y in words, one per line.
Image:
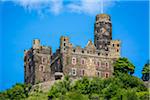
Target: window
column 64, row 39
column 73, row 60
column 100, row 46
column 41, row 68
column 117, row 50
column 117, row 45
column 82, row 61
column 74, row 71
column 107, row 65
column 106, row 74
column 98, row 63
column 98, row 53
column 82, row 72
column 82, row 51
column 74, row 50
column 64, row 44
column 113, row 45
column 87, row 51
column 44, row 60
column 99, row 74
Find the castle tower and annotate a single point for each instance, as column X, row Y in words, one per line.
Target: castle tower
column 64, row 42
column 37, row 63
column 102, row 31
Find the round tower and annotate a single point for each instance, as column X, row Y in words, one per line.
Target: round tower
column 102, row 31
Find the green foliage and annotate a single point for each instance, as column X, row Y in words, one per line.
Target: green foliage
column 143, row 95
column 146, row 68
column 123, row 65
column 37, row 96
column 17, row 92
column 121, row 86
column 60, row 88
column 146, row 72
column 73, row 96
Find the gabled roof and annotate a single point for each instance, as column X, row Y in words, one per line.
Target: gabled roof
column 90, row 45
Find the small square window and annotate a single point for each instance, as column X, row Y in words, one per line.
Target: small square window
column 41, row 68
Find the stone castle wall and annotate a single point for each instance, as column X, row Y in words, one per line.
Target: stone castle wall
column 94, row 60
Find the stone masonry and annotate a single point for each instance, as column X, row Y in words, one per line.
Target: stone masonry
column 94, row 60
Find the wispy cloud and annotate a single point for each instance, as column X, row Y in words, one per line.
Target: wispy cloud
column 90, row 7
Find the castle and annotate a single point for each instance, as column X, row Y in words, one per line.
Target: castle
column 94, row 60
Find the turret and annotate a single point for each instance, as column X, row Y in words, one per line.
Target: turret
column 102, row 31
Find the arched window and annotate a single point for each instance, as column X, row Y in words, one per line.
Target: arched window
column 82, row 72
column 73, row 60
column 82, row 61
column 74, row 71
column 107, row 65
column 106, row 74
column 98, row 63
column 99, row 74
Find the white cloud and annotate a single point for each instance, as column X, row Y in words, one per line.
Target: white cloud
column 90, row 7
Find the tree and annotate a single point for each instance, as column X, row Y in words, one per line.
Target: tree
column 17, row 92
column 123, row 65
column 59, row 88
column 146, row 72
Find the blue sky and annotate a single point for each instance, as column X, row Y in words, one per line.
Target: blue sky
column 22, row 21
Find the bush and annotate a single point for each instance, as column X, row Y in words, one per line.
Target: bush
column 17, row 92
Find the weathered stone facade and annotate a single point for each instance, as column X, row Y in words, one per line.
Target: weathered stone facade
column 94, row 60
column 37, row 63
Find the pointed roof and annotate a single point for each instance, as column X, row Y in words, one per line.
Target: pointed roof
column 90, row 45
